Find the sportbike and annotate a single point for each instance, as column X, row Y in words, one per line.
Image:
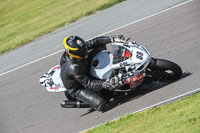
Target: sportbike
column 129, row 62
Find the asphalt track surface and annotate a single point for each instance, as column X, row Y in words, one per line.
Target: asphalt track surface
column 26, row 107
column 87, row 27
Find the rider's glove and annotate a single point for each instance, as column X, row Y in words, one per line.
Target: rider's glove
column 111, row 84
column 119, row 38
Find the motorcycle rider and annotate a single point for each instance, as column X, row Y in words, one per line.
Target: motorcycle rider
column 75, row 70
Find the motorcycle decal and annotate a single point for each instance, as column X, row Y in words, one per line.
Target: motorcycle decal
column 79, row 43
column 53, row 88
column 124, row 64
column 135, row 80
column 139, row 55
column 56, row 67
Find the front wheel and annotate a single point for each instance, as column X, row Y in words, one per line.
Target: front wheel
column 165, row 71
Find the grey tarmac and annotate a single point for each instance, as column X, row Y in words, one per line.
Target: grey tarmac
column 26, row 107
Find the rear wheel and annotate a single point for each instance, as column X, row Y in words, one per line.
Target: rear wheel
column 165, row 71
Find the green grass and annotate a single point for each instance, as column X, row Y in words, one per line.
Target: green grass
column 180, row 117
column 22, row 21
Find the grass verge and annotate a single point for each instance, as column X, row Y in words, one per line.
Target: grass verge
column 24, row 20
column 180, row 117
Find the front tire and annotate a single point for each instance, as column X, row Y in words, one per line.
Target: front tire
column 166, row 71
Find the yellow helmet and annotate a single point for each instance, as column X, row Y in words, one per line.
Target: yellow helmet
column 75, row 47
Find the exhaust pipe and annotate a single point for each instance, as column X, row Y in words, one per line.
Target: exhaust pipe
column 74, row 104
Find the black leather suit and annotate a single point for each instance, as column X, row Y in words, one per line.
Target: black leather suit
column 76, row 79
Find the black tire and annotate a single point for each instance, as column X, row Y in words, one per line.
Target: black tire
column 167, row 70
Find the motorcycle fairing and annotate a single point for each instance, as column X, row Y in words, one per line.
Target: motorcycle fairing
column 132, row 56
column 101, row 65
column 52, row 81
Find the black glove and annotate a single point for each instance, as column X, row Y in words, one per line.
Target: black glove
column 119, row 38
column 111, row 84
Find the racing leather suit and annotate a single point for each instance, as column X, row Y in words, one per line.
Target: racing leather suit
column 76, row 79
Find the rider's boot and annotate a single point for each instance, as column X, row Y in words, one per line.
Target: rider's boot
column 90, row 97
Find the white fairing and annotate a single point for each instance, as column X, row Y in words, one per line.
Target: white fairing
column 103, row 68
column 52, row 80
column 137, row 62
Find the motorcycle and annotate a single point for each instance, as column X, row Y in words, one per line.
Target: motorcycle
column 129, row 62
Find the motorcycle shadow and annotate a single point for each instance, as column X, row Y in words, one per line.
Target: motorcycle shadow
column 143, row 90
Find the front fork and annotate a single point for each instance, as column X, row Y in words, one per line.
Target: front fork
column 151, row 74
column 152, row 64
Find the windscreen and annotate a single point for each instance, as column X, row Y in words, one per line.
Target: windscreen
column 120, row 53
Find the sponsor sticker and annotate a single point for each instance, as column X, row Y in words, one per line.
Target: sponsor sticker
column 79, row 42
